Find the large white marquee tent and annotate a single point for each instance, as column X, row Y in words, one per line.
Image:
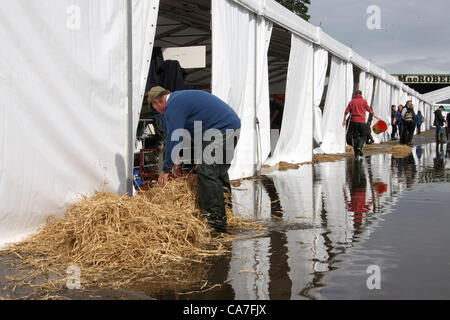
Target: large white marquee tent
column 73, row 76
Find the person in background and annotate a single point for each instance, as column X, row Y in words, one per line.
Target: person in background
column 447, row 123
column 399, row 121
column 394, row 121
column 404, row 134
column 410, row 119
column 439, row 122
column 419, row 121
column 357, row 108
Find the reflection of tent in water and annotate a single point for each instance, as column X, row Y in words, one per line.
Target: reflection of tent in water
column 343, row 208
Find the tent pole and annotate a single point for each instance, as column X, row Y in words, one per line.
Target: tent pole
column 130, row 142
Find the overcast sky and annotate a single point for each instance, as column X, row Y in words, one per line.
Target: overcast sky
column 414, row 35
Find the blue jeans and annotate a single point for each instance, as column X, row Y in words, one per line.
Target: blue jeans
column 439, row 133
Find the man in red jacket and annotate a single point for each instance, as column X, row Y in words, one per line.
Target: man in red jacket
column 357, row 108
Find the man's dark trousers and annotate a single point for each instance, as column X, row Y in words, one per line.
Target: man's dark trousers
column 359, row 131
column 403, row 132
column 214, row 183
column 394, row 131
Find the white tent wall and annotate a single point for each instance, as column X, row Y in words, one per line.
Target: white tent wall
column 368, row 90
column 362, row 83
column 264, row 32
column 381, row 107
column 233, row 75
column 319, row 74
column 63, row 89
column 422, row 111
column 349, row 83
column 295, row 142
column 145, row 16
column 333, row 113
column 395, row 93
column 386, row 114
column 276, row 13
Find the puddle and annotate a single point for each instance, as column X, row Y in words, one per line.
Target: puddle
column 327, row 225
column 335, row 220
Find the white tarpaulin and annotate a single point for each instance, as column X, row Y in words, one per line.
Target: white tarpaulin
column 362, row 82
column 264, row 31
column 63, row 88
column 368, row 90
column 296, row 136
column 349, row 83
column 233, row 75
column 381, row 107
column 320, row 73
column 335, row 105
column 233, row 78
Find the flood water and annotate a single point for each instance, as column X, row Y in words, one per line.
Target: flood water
column 335, row 223
column 372, row 229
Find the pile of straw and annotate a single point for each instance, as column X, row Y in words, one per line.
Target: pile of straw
column 120, row 240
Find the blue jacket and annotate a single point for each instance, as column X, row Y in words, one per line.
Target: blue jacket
column 183, row 108
column 419, row 119
column 398, row 116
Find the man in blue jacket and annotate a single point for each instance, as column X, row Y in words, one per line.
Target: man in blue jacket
column 191, row 110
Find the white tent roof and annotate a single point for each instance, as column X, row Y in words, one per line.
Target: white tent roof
column 438, row 95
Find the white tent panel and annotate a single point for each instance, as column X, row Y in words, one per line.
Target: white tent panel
column 320, row 73
column 349, row 83
column 62, row 123
column 233, row 75
column 335, row 104
column 63, row 106
column 295, row 142
column 145, row 16
column 264, row 31
column 241, row 81
column 368, row 91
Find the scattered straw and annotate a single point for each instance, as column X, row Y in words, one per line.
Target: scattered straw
column 117, row 240
column 284, row 166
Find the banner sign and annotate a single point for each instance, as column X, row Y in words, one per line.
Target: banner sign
column 424, row 78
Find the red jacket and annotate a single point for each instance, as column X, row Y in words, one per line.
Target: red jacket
column 357, row 107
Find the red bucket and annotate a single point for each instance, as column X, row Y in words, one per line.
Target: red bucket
column 380, row 127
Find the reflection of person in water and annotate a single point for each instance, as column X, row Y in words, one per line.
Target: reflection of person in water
column 275, row 207
column 419, row 152
column 405, row 167
column 439, row 160
column 409, row 165
column 358, row 185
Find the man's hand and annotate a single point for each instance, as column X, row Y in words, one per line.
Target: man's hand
column 162, row 180
column 343, row 123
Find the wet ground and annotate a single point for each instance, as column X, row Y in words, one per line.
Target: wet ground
column 370, row 229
